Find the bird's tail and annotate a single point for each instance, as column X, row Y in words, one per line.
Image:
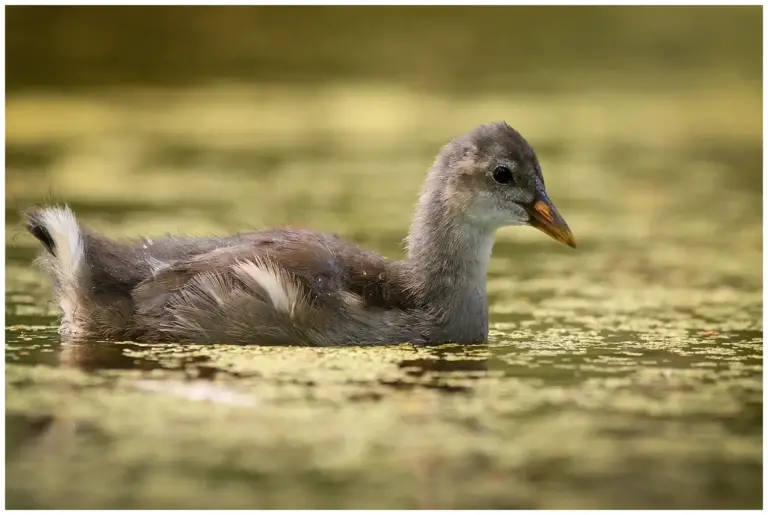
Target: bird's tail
column 83, row 314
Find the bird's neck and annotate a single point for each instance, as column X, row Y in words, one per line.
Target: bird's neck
column 448, row 261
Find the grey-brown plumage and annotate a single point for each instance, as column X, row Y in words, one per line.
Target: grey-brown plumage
column 293, row 286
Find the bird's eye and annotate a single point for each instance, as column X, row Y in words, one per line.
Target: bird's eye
column 502, row 175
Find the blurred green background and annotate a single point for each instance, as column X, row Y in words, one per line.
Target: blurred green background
column 627, row 374
column 448, row 48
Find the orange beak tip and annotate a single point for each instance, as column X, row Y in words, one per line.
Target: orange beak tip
column 545, row 217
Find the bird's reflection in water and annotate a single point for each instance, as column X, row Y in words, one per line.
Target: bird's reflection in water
column 443, row 364
column 48, row 436
column 95, row 356
column 448, row 368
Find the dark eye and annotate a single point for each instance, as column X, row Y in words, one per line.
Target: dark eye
column 502, row 175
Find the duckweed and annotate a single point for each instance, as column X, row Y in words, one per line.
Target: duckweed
column 627, row 374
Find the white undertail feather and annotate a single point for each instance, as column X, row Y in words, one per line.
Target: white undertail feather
column 283, row 291
column 61, row 224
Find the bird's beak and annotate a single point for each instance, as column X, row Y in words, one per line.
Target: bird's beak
column 545, row 217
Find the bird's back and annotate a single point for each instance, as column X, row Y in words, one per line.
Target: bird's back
column 266, row 286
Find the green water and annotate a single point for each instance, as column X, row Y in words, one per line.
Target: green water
column 625, row 374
